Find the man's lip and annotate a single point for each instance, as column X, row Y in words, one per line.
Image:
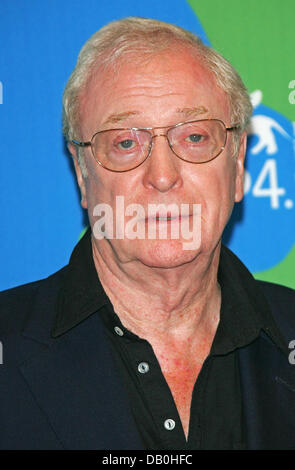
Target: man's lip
column 167, row 217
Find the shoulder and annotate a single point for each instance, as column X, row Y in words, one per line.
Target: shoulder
column 17, row 303
column 278, row 295
column 281, row 300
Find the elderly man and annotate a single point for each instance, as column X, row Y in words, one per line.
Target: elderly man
column 155, row 336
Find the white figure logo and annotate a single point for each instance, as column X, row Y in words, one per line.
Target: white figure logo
column 263, row 126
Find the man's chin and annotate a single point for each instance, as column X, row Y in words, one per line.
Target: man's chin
column 166, row 253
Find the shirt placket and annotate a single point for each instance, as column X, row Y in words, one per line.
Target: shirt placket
column 154, row 390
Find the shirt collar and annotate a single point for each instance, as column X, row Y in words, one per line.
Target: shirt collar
column 244, row 310
column 81, row 293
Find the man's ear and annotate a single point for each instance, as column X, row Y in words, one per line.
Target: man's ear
column 79, row 175
column 240, row 159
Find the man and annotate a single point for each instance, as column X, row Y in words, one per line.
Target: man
column 155, row 336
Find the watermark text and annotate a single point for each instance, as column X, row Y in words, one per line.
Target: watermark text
column 292, row 93
column 291, row 356
column 156, row 221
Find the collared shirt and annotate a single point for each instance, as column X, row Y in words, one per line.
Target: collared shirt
column 216, row 420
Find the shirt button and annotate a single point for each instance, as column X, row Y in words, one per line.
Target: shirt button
column 118, row 331
column 169, row 424
column 143, row 367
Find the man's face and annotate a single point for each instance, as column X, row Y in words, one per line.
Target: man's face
column 165, row 91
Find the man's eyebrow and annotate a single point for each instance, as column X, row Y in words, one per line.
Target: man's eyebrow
column 113, row 118
column 194, row 111
column 187, row 112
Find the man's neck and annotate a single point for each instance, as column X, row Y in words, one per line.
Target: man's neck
column 179, row 305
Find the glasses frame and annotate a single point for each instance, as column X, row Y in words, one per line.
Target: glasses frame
column 168, row 128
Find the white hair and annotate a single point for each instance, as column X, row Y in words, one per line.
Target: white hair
column 143, row 38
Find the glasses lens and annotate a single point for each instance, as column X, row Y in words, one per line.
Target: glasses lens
column 121, row 149
column 198, row 141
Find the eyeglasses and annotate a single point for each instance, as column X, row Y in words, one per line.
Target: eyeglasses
column 124, row 149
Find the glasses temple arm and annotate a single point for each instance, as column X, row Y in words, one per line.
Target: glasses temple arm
column 81, row 144
column 232, row 128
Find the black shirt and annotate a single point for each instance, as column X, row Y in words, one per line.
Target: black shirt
column 216, row 420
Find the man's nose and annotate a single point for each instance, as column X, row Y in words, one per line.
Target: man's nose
column 162, row 166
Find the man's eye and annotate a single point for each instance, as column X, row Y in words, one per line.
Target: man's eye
column 194, row 138
column 126, row 144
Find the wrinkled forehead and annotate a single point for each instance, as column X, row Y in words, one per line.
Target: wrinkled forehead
column 151, row 81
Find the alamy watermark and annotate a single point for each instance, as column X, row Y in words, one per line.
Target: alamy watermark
column 157, row 221
column 292, row 93
column 291, row 356
column 1, row 93
column 1, row 353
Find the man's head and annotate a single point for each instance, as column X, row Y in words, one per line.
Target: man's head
column 144, row 73
column 135, row 40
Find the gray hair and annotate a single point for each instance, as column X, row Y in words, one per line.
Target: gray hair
column 140, row 38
